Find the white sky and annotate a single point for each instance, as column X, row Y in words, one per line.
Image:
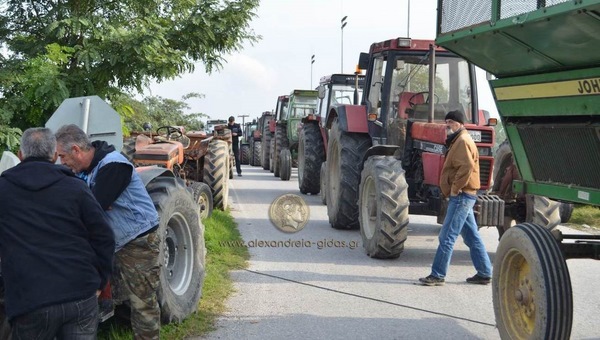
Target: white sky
column 292, row 31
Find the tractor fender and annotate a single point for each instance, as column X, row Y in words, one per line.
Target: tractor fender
column 378, row 150
column 148, row 173
column 351, row 118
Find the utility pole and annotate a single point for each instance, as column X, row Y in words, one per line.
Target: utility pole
column 312, row 61
column 243, row 119
column 344, row 23
column 408, row 21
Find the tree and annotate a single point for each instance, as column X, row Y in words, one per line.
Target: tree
column 61, row 49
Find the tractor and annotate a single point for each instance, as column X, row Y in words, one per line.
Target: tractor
column 302, row 103
column 250, row 145
column 280, row 111
column 335, row 89
column 543, row 71
column 385, row 156
column 265, row 136
column 182, row 232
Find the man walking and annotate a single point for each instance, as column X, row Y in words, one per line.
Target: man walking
column 459, row 181
column 56, row 245
column 236, row 131
column 133, row 218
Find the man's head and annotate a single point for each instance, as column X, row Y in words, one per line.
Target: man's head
column 38, row 143
column 74, row 148
column 231, row 119
column 454, row 120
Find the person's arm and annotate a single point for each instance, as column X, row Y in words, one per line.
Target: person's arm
column 100, row 234
column 111, row 181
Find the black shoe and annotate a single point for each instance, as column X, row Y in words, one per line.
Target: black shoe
column 106, row 309
column 432, row 281
column 479, row 280
column 240, row 174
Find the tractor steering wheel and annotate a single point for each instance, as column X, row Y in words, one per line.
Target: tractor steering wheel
column 412, row 103
column 171, row 132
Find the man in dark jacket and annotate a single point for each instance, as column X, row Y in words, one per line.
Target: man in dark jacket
column 56, row 245
column 133, row 218
column 236, row 132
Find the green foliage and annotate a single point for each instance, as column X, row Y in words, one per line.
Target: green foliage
column 10, row 138
column 586, row 214
column 57, row 50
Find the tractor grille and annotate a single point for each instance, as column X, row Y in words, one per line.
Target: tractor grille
column 574, row 157
column 486, row 136
column 511, row 8
column 485, row 171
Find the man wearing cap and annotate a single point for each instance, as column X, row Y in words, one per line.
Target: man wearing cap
column 459, row 181
column 236, row 131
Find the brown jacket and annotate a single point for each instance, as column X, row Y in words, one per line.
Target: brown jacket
column 461, row 168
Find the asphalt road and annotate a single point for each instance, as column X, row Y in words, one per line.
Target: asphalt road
column 324, row 290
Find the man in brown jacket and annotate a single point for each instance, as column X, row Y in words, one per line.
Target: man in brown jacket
column 459, row 182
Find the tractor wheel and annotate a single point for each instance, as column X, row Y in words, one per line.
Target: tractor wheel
column 565, row 210
column 285, row 165
column 128, row 149
column 256, row 153
column 266, row 147
column 383, row 207
column 323, row 183
column 245, row 154
column 345, row 151
column 271, row 151
column 281, row 142
column 311, row 154
column 216, row 170
column 182, row 251
column 203, row 196
column 539, row 210
column 531, row 285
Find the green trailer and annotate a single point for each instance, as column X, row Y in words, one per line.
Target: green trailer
column 543, row 58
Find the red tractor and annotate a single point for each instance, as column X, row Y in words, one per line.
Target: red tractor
column 280, row 111
column 385, row 156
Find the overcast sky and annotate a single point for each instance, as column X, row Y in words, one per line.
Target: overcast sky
column 292, row 31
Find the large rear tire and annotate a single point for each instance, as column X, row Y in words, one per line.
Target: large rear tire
column 531, row 286
column 203, row 197
column 216, row 172
column 182, row 251
column 256, row 153
column 281, row 142
column 128, row 149
column 383, row 207
column 345, row 151
column 311, row 154
column 271, row 151
column 285, row 165
column 323, row 183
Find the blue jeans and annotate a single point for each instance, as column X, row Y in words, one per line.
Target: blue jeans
column 76, row 320
column 461, row 220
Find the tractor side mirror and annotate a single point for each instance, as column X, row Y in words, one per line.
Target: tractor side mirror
column 363, row 61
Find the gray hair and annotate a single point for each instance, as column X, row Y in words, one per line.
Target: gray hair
column 38, row 142
column 71, row 134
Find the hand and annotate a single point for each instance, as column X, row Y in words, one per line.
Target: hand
column 98, row 293
column 234, row 134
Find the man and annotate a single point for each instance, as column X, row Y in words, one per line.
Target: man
column 236, row 131
column 56, row 245
column 459, row 181
column 133, row 218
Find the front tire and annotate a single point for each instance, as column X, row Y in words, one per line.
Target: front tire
column 383, row 207
column 182, row 251
column 323, row 183
column 203, row 197
column 285, row 165
column 311, row 154
column 281, row 142
column 245, row 154
column 216, row 172
column 531, row 286
column 256, row 153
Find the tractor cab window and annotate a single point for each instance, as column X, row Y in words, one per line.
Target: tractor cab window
column 343, row 95
column 410, row 95
column 323, row 107
column 283, row 111
column 303, row 106
column 376, row 85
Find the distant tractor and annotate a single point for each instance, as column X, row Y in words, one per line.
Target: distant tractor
column 302, row 103
column 245, row 149
column 543, row 63
column 280, row 111
column 385, row 156
column 335, row 89
column 265, row 136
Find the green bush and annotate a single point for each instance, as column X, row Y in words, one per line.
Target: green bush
column 10, row 138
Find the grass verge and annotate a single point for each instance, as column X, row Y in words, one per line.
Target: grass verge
column 585, row 215
column 219, row 228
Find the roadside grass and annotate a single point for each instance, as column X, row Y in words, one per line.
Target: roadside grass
column 585, row 215
column 219, row 228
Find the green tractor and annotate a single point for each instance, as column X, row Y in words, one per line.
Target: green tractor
column 302, row 103
column 542, row 61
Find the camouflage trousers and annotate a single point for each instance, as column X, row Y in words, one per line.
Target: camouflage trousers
column 136, row 279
